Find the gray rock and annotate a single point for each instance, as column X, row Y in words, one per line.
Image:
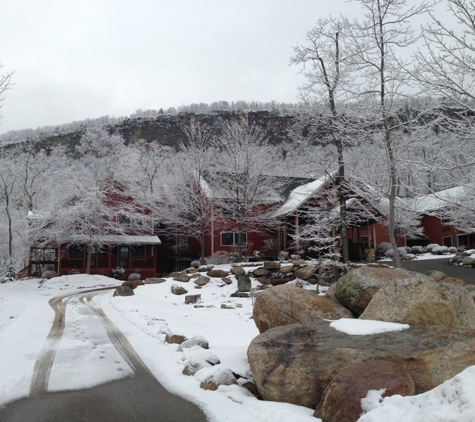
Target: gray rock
column 153, row 280
column 202, row 280
column 244, row 283
column 174, row 338
column 238, row 270
column 124, row 291
column 306, row 272
column 178, row 290
column 271, row 265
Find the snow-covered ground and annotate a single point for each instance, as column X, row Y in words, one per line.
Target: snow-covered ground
column 145, row 319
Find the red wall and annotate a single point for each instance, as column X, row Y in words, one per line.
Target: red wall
column 436, row 231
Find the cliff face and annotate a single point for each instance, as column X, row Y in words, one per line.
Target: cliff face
column 166, row 129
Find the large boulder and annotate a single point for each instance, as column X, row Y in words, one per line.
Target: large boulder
column 356, row 288
column 284, row 305
column 422, row 302
column 342, row 398
column 296, row 363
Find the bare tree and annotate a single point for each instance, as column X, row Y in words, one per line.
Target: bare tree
column 5, row 85
column 376, row 41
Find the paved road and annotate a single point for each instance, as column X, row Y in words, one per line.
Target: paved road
column 137, row 398
column 422, row 266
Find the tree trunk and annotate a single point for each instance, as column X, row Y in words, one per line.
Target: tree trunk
column 88, row 259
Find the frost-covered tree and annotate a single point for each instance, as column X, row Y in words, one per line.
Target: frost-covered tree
column 8, row 199
column 327, row 65
column 244, row 184
column 376, row 41
column 445, row 69
column 94, row 199
column 187, row 198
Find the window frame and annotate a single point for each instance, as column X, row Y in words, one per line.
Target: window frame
column 234, row 238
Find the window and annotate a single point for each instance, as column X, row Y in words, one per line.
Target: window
column 232, row 239
column 76, row 251
column 182, row 242
column 123, row 220
column 447, row 241
column 445, row 220
column 47, row 254
column 138, row 251
column 227, row 212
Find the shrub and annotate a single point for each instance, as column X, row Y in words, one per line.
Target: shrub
column 234, row 257
column 407, row 249
column 385, row 246
column 416, row 250
column 430, row 246
column 219, row 257
column 10, row 273
column 74, row 271
column 453, row 249
column 439, row 250
column 48, row 274
column 118, row 273
column 134, row 276
column 195, row 264
column 389, row 253
column 283, row 256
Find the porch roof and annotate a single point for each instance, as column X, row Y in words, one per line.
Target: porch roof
column 115, row 239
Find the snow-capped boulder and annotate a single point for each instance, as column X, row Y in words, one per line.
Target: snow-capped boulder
column 178, row 290
column 194, row 341
column 212, row 378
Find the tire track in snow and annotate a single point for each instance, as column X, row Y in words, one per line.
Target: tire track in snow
column 44, row 362
column 118, row 340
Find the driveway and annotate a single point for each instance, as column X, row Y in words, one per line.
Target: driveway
column 424, row 265
column 135, row 396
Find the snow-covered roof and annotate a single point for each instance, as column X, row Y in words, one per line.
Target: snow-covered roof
column 425, row 204
column 117, row 239
column 299, row 195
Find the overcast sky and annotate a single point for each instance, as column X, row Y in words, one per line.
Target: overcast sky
column 77, row 59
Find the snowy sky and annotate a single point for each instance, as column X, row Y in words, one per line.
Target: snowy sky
column 85, row 59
